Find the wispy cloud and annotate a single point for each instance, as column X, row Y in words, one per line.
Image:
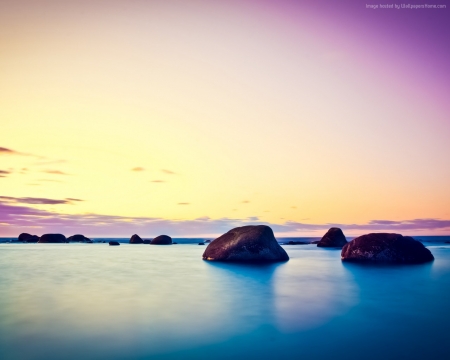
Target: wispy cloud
column 7, row 151
column 55, row 172
column 165, row 171
column 138, row 169
column 245, row 202
column 20, row 218
column 3, row 173
column 37, row 201
column 184, row 203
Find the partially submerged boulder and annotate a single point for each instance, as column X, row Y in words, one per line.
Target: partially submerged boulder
column 28, row 238
column 246, row 243
column 161, row 240
column 114, row 243
column 135, row 239
column 333, row 238
column 386, row 248
column 79, row 238
column 52, row 239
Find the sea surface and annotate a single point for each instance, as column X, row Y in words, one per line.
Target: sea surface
column 95, row 301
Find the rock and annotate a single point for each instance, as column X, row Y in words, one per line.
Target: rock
column 207, row 241
column 447, row 242
column 114, row 243
column 161, row 240
column 146, row 241
column 333, row 238
column 246, row 243
column 79, row 238
column 200, row 243
column 174, row 243
column 297, row 243
column 135, row 239
column 387, row 248
column 28, row 238
column 52, row 238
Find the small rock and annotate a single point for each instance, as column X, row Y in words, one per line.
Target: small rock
column 52, row 239
column 28, row 238
column 114, row 243
column 135, row 239
column 161, row 240
column 333, row 238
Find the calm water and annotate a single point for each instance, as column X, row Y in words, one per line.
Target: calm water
column 93, row 301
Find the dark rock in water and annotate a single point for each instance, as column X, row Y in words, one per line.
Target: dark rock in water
column 135, row 239
column 103, row 242
column 447, row 242
column 246, row 243
column 207, row 241
column 333, row 238
column 114, row 243
column 174, row 243
column 297, row 243
column 315, row 242
column 52, row 238
column 28, row 238
column 79, row 238
column 161, row 240
column 387, row 248
column 200, row 243
column 147, row 242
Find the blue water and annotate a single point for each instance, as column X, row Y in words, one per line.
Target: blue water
column 93, row 301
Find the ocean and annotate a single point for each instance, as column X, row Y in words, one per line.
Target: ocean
column 94, row 301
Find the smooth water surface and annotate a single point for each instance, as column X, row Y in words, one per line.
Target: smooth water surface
column 92, row 301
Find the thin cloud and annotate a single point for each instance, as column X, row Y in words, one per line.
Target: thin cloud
column 184, row 203
column 55, row 172
column 158, row 181
column 50, row 180
column 7, row 151
column 20, row 218
column 36, row 201
column 4, row 172
column 138, row 169
column 168, row 172
column 50, row 162
column 245, row 202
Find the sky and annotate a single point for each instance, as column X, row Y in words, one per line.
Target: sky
column 192, row 117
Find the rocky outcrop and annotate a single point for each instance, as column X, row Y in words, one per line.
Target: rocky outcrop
column 52, row 239
column 386, row 248
column 28, row 238
column 135, row 239
column 333, row 238
column 114, row 243
column 79, row 238
column 247, row 244
column 161, row 240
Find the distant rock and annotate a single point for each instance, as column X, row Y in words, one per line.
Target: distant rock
column 174, row 243
column 161, row 240
column 52, row 239
column 333, row 238
column 247, row 244
column 79, row 238
column 315, row 242
column 135, row 239
column 201, row 243
column 207, row 241
column 146, row 241
column 114, row 243
column 297, row 243
column 447, row 242
column 386, row 248
column 28, row 238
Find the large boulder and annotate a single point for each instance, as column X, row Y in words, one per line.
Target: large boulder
column 246, row 243
column 52, row 238
column 386, row 248
column 333, row 238
column 161, row 240
column 79, row 238
column 135, row 239
column 28, row 238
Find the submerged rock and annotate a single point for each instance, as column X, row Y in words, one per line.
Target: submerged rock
column 207, row 241
column 52, row 239
column 201, row 243
column 387, row 248
column 246, row 243
column 114, row 243
column 333, row 238
column 135, row 239
column 297, row 243
column 28, row 238
column 161, row 240
column 79, row 238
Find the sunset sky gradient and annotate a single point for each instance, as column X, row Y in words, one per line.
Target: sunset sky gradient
column 191, row 117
